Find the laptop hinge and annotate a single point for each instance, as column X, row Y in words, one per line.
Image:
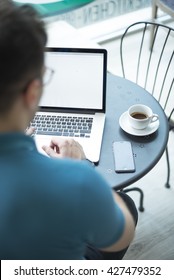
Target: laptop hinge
column 71, row 111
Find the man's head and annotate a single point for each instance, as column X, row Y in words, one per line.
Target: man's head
column 22, row 42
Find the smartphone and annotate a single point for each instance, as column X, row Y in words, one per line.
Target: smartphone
column 123, row 157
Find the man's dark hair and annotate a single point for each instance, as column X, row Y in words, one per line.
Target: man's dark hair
column 22, row 42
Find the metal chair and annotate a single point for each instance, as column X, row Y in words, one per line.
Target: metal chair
column 152, row 68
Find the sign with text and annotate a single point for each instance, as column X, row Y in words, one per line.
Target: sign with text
column 80, row 13
column 100, row 10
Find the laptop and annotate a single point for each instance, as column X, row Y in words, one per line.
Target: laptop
column 74, row 102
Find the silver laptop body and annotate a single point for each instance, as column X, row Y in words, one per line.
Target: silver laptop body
column 73, row 103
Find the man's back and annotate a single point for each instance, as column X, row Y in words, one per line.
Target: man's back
column 50, row 209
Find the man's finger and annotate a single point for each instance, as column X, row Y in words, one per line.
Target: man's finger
column 30, row 131
column 50, row 152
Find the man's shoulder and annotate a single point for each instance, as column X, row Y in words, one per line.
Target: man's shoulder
column 62, row 169
column 70, row 173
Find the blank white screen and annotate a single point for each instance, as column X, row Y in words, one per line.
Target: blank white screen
column 77, row 81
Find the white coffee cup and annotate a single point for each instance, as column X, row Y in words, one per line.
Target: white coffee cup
column 140, row 116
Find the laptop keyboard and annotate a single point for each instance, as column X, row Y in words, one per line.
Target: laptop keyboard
column 62, row 125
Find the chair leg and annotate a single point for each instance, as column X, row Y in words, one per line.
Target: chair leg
column 154, row 10
column 141, row 208
column 167, row 185
column 154, row 16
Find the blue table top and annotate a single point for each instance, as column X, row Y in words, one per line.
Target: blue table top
column 121, row 94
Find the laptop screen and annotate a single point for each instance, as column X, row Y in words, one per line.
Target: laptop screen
column 79, row 80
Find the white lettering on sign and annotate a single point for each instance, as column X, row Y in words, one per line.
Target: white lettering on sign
column 100, row 10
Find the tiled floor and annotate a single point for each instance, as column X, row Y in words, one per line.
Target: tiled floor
column 155, row 230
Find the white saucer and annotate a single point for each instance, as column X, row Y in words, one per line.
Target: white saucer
column 124, row 124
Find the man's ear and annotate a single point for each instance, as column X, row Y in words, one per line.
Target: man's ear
column 32, row 94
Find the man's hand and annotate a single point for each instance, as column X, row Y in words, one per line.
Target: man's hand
column 29, row 131
column 64, row 148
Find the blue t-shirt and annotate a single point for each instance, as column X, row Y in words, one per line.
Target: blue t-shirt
column 52, row 208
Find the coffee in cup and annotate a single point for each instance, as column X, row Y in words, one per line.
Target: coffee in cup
column 140, row 116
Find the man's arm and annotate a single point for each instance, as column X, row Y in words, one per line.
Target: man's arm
column 129, row 228
column 61, row 148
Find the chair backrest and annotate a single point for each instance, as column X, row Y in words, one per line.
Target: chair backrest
column 150, row 65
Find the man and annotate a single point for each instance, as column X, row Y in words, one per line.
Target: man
column 49, row 208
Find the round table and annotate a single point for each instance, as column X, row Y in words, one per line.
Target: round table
column 147, row 150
